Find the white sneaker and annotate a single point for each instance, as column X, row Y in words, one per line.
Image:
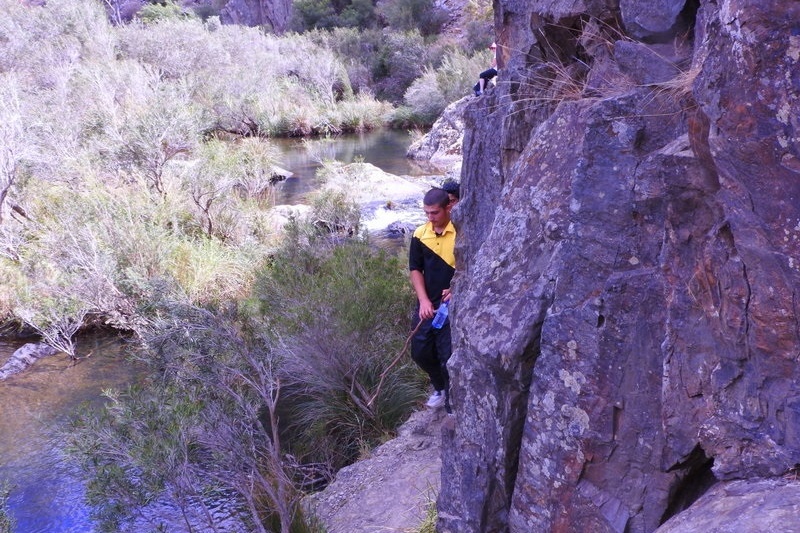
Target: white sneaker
column 436, row 399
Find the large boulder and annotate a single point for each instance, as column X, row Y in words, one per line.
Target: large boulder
column 441, row 147
column 624, row 315
column 274, row 14
column 741, row 507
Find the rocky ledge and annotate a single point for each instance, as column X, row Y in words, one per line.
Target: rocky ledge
column 391, row 489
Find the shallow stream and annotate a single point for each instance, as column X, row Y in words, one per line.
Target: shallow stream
column 46, row 494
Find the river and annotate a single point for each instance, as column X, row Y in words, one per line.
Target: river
column 46, row 493
column 385, row 149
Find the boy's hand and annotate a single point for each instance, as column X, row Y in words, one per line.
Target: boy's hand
column 426, row 310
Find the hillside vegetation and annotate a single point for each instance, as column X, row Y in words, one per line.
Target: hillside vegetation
column 116, row 170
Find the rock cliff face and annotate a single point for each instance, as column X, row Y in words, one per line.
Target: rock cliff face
column 274, row 14
column 626, row 334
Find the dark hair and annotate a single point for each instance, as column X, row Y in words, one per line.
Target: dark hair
column 452, row 187
column 436, row 197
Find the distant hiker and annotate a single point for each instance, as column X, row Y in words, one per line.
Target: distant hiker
column 432, row 263
column 488, row 74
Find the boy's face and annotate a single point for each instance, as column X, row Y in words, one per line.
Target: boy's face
column 439, row 216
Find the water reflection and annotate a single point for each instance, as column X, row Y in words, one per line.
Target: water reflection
column 46, row 492
column 385, row 149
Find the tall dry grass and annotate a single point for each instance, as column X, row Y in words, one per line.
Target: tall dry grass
column 106, row 154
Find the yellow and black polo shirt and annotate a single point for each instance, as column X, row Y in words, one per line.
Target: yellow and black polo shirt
column 434, row 256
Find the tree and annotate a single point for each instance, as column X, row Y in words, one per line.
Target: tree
column 15, row 144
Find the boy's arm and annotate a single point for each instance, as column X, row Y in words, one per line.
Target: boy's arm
column 425, row 306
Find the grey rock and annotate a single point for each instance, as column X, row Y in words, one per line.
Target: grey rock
column 274, row 14
column 646, row 64
column 24, row 357
column 442, row 145
column 654, row 19
column 391, row 489
column 742, row 507
column 624, row 309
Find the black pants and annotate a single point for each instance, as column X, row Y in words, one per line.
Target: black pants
column 486, row 75
column 430, row 349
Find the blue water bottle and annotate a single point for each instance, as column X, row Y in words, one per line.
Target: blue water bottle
column 441, row 316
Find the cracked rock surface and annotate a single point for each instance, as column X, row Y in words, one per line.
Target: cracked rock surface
column 390, row 490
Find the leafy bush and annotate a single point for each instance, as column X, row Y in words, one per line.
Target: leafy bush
column 209, row 10
column 408, row 15
column 479, row 25
column 201, row 434
column 325, row 14
column 344, row 317
column 425, row 98
column 360, row 114
column 401, row 58
column 458, row 73
column 436, row 89
column 143, row 444
column 40, row 42
column 164, row 9
column 311, row 14
column 359, row 14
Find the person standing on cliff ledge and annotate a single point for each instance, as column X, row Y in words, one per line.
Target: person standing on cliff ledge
column 432, row 265
column 487, row 75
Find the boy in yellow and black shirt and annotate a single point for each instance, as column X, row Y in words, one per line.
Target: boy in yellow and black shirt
column 432, row 263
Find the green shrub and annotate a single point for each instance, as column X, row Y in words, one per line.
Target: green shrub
column 408, row 15
column 358, row 51
column 191, row 48
column 344, row 316
column 426, row 98
column 142, row 445
column 165, row 126
column 457, row 74
column 42, row 42
column 295, row 370
column 436, row 89
column 324, row 14
column 225, row 183
column 199, row 435
column 311, row 14
column 359, row 14
column 161, row 10
column 404, row 117
column 362, row 113
column 401, row 59
column 479, row 25
column 209, row 10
